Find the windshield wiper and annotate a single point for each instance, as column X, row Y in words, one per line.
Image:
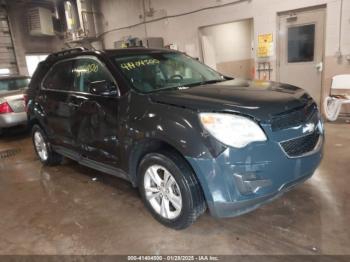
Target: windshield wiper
column 185, row 86
column 206, row 82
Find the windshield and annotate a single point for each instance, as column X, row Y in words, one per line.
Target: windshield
column 158, row 71
column 13, row 84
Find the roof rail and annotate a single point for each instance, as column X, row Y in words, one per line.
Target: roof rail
column 66, row 52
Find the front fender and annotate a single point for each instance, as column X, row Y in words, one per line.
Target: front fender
column 178, row 127
column 147, row 126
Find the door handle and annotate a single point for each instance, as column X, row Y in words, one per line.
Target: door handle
column 76, row 100
column 319, row 67
column 72, row 104
column 41, row 97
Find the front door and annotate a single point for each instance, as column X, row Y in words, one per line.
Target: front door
column 301, row 45
column 95, row 119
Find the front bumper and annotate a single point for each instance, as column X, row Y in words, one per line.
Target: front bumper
column 13, row 119
column 241, row 180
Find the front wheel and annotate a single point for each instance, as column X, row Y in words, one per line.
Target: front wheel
column 43, row 148
column 170, row 190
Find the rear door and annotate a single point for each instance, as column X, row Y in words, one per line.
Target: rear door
column 55, row 99
column 95, row 120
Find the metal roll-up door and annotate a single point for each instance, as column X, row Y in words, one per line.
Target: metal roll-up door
column 7, row 51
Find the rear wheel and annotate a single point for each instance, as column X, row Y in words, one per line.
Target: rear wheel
column 43, row 148
column 170, row 189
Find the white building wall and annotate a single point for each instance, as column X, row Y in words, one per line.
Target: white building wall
column 183, row 30
column 233, row 56
column 119, row 14
column 237, row 37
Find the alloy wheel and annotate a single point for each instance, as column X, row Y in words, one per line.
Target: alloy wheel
column 40, row 146
column 162, row 192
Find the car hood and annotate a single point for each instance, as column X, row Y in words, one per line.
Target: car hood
column 259, row 99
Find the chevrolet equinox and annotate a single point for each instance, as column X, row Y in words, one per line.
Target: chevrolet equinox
column 187, row 136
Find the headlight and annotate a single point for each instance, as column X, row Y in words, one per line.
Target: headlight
column 232, row 130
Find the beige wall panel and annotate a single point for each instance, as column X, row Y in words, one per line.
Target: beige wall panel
column 242, row 68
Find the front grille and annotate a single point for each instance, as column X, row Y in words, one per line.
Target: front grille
column 302, row 145
column 294, row 118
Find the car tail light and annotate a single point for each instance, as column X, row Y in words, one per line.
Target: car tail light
column 5, row 108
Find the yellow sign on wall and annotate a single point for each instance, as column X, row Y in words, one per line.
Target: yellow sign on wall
column 265, row 45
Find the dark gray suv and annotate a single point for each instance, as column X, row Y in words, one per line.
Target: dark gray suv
column 188, row 137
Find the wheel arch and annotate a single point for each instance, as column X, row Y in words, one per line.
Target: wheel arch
column 35, row 121
column 146, row 146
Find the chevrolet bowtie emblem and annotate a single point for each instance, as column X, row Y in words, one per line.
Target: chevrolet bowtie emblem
column 308, row 128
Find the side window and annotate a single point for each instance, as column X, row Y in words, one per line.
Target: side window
column 60, row 77
column 86, row 71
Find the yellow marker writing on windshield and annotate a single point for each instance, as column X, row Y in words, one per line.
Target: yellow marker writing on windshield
column 140, row 63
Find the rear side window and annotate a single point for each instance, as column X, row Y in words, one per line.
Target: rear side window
column 60, row 77
column 86, row 71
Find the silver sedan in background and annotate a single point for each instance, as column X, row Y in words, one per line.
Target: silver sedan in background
column 13, row 101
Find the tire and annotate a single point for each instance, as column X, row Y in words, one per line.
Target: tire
column 180, row 192
column 43, row 149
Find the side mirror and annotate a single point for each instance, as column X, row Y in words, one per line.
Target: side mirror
column 104, row 88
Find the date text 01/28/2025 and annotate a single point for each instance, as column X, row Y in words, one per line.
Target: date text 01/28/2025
column 173, row 258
